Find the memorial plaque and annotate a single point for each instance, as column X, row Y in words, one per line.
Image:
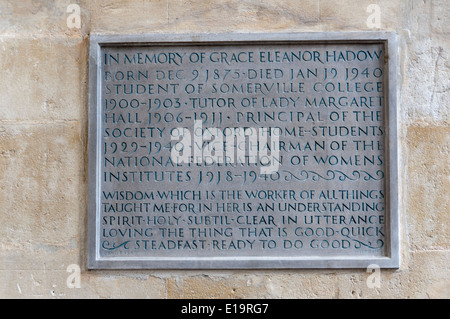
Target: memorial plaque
column 243, row 151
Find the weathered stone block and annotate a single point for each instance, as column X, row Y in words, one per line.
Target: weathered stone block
column 424, row 278
column 124, row 17
column 279, row 284
column 428, row 185
column 42, row 79
column 42, row 186
column 230, row 16
column 34, row 18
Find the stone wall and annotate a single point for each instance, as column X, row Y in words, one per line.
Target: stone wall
column 43, row 145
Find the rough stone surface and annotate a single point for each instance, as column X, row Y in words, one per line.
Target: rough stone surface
column 428, row 187
column 38, row 88
column 43, row 131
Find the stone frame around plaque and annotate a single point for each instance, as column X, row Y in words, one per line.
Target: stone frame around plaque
column 392, row 258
